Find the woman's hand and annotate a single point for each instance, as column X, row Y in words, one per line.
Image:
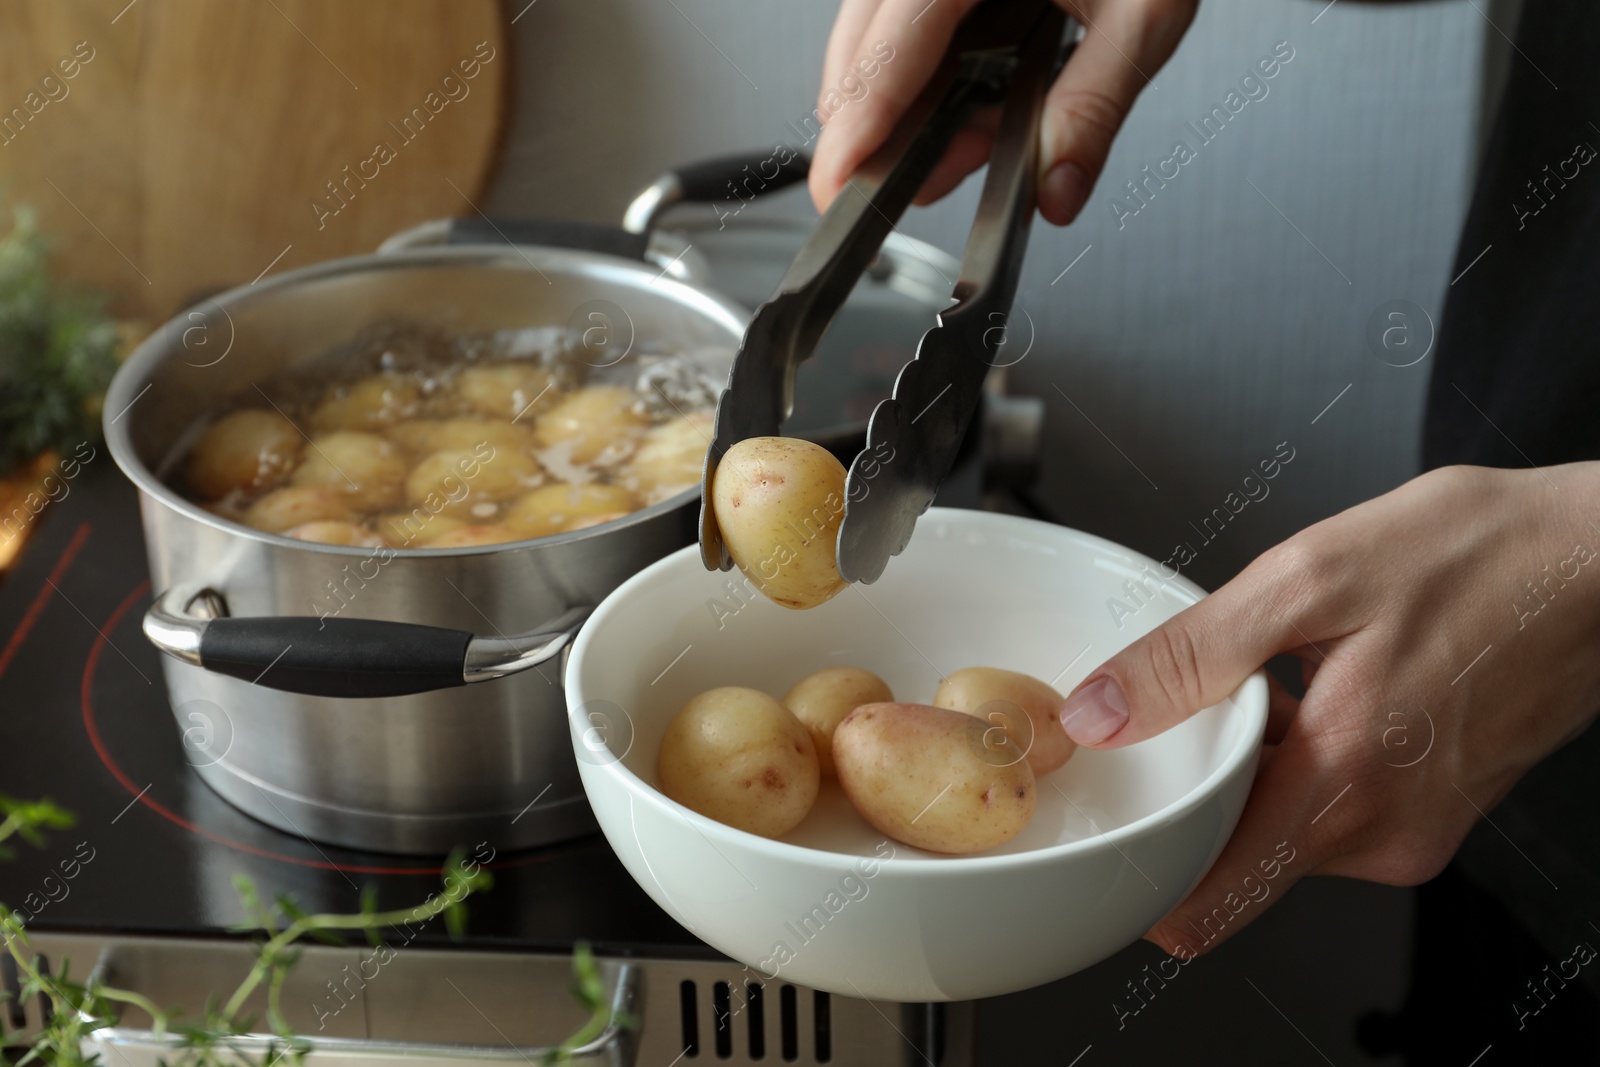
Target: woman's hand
column 1126, row 42
column 1450, row 633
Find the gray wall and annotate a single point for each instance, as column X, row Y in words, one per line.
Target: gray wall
column 1192, row 340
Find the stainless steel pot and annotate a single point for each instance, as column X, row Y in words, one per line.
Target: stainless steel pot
column 426, row 711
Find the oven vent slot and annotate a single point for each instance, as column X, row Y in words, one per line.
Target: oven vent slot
column 822, row 1025
column 722, row 1015
column 688, row 1004
column 755, row 1004
column 15, row 1008
column 790, row 1023
column 13, row 986
column 798, row 1037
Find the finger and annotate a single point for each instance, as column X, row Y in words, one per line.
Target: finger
column 1282, row 707
column 844, row 41
column 1192, row 661
column 1274, row 846
column 1308, row 671
column 907, row 39
column 1124, row 44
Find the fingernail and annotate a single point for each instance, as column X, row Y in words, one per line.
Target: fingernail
column 1095, row 712
column 1063, row 192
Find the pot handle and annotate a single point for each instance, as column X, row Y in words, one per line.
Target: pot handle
column 736, row 178
column 711, row 180
column 337, row 657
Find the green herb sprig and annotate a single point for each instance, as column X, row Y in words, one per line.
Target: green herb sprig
column 78, row 1009
column 57, row 352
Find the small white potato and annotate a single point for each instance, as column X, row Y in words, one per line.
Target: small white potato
column 507, row 390
column 933, row 778
column 368, row 467
column 821, row 701
column 492, row 533
column 416, row 528
column 368, row 404
column 558, row 508
column 1028, row 710
column 469, row 484
column 244, row 450
column 423, row 437
column 670, row 457
column 335, row 533
column 778, row 502
column 599, row 423
column 296, row 505
column 738, row 756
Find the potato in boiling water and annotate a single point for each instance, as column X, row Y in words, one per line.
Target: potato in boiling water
column 335, row 533
column 469, row 484
column 778, row 502
column 595, row 520
column 556, row 508
column 492, row 533
column 366, row 466
column 821, row 701
column 296, row 505
column 740, row 757
column 670, row 457
column 1028, row 710
column 596, row 423
column 933, row 778
column 415, row 528
column 423, row 437
column 506, row 390
column 369, row 404
column 244, row 450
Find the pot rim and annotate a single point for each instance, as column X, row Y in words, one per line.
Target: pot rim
column 134, row 376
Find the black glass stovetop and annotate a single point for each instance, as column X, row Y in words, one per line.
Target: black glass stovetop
column 84, row 721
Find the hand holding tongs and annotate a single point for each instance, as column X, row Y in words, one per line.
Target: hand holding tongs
column 1006, row 50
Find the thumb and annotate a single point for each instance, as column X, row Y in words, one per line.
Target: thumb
column 1124, row 44
column 1192, row 661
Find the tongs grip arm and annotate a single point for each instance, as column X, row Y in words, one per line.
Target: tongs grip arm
column 977, row 70
column 914, row 436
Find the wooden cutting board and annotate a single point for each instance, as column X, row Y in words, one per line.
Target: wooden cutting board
column 173, row 147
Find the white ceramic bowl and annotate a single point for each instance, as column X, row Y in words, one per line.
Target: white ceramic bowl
column 1118, row 838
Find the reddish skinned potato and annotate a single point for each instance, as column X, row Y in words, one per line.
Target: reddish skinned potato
column 821, row 701
column 933, row 778
column 1025, row 708
column 778, row 502
column 738, row 756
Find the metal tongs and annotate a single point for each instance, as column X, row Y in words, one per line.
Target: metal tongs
column 1006, row 51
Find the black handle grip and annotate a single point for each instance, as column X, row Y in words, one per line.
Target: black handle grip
column 742, row 176
column 331, row 657
column 590, row 237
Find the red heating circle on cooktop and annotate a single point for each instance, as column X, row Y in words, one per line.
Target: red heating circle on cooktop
column 142, row 796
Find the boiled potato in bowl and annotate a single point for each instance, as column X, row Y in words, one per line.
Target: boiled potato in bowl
column 778, row 502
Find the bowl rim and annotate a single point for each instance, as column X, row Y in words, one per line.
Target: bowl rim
column 1249, row 700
